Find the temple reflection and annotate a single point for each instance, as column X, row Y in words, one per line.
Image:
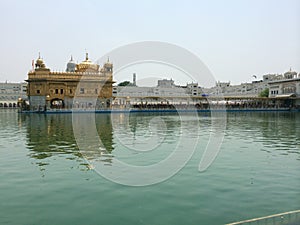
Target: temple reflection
column 89, row 136
column 101, row 137
column 53, row 135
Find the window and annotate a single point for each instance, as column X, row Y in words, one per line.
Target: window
column 61, row 91
column 81, row 90
column 56, row 91
column 38, row 91
column 96, row 91
column 71, row 91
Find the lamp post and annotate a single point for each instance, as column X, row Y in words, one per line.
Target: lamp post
column 20, row 104
column 47, row 106
column 127, row 104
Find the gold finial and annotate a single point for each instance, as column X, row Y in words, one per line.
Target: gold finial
column 108, row 59
column 86, row 56
column 71, row 58
column 39, row 55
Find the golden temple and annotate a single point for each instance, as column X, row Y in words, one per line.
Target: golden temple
column 85, row 85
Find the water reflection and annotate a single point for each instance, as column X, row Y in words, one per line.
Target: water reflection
column 53, row 135
column 277, row 131
column 147, row 131
column 137, row 137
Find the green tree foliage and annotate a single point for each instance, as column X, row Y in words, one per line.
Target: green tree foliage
column 264, row 93
column 125, row 83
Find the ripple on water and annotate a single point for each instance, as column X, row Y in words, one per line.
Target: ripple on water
column 256, row 172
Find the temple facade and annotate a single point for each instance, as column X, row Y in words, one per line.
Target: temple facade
column 83, row 86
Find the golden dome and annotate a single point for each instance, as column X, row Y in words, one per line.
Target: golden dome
column 40, row 63
column 87, row 65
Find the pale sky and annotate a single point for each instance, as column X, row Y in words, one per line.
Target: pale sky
column 234, row 38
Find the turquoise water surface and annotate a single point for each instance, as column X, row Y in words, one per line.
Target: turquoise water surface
column 46, row 179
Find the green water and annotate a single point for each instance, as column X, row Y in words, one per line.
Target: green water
column 44, row 178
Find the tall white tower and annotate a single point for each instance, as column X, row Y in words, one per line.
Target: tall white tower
column 134, row 79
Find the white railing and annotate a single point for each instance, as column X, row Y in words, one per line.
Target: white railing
column 287, row 218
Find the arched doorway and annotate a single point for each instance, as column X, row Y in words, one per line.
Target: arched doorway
column 57, row 103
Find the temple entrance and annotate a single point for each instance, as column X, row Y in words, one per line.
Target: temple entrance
column 57, row 103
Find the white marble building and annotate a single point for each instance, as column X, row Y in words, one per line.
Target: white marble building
column 165, row 91
column 11, row 92
column 287, row 86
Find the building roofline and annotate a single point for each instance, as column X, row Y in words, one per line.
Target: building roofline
column 283, row 80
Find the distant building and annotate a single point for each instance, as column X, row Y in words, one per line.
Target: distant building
column 165, row 83
column 193, row 89
column 288, row 85
column 165, row 91
column 252, row 89
column 83, row 85
column 10, row 94
column 272, row 77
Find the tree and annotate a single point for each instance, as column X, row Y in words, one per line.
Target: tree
column 125, row 83
column 264, row 93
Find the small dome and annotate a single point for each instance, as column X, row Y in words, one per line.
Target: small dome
column 108, row 66
column 40, row 63
column 290, row 74
column 71, row 66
